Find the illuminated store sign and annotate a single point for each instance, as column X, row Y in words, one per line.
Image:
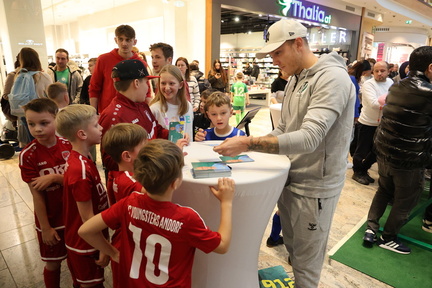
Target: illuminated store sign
column 304, row 10
column 30, row 42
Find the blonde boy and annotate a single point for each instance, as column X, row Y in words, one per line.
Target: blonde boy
column 239, row 97
column 158, row 168
column 84, row 194
column 218, row 110
column 59, row 94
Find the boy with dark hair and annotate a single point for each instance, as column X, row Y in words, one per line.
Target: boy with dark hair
column 144, row 219
column 101, row 89
column 84, row 195
column 58, row 93
column 200, row 119
column 161, row 54
column 42, row 164
column 218, row 109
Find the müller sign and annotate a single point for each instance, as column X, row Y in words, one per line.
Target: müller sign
column 304, row 10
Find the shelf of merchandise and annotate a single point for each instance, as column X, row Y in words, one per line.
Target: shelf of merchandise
column 245, row 56
column 239, row 57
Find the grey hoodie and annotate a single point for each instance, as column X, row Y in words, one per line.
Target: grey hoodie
column 315, row 127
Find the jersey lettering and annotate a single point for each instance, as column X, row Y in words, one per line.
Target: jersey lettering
column 157, row 275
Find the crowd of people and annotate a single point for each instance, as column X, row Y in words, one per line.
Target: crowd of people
column 328, row 111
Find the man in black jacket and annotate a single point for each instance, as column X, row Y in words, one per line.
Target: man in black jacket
column 403, row 142
column 255, row 70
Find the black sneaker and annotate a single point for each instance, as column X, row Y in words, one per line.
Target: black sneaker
column 369, row 238
column 7, row 151
column 270, row 243
column 394, row 245
column 427, row 227
column 369, row 178
column 360, row 178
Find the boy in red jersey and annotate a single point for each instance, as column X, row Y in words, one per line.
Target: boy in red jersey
column 129, row 106
column 152, row 221
column 84, row 195
column 122, row 142
column 42, row 164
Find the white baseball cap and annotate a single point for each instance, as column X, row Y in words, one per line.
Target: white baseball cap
column 279, row 32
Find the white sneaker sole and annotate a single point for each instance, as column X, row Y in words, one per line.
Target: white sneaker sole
column 393, row 249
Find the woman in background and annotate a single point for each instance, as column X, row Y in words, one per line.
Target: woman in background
column 29, row 59
column 218, row 77
column 191, row 82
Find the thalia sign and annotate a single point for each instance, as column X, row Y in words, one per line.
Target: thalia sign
column 304, row 10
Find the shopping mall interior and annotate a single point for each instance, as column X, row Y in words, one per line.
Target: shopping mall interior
column 203, row 30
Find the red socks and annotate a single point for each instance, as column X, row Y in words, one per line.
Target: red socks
column 52, row 278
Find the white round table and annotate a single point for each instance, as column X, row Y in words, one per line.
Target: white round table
column 275, row 112
column 258, row 186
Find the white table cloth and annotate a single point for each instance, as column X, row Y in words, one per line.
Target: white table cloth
column 258, row 186
column 275, row 112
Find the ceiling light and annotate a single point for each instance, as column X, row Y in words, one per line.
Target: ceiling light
column 236, row 19
column 222, row 21
column 408, row 22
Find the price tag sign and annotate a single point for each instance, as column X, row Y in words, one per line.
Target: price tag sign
column 274, row 277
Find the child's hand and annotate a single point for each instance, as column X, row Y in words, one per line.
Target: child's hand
column 103, row 260
column 247, row 103
column 200, row 135
column 116, row 257
column 50, row 236
column 181, row 143
column 187, row 137
column 41, row 183
column 225, row 191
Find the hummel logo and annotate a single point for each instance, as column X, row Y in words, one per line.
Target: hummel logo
column 312, row 226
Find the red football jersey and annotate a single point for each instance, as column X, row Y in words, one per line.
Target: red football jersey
column 123, row 110
column 158, row 241
column 37, row 160
column 121, row 184
column 82, row 183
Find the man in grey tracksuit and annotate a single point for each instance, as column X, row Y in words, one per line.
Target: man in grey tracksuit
column 314, row 132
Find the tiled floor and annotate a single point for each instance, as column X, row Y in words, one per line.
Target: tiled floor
column 20, row 265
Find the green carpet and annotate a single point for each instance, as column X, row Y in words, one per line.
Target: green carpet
column 412, row 270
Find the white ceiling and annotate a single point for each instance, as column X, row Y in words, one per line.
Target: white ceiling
column 393, row 18
column 58, row 12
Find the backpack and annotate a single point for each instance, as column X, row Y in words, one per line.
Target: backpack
column 23, row 91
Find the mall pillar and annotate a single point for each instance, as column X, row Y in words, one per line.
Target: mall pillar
column 22, row 26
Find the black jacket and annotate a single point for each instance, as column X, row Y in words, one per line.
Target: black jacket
column 403, row 139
